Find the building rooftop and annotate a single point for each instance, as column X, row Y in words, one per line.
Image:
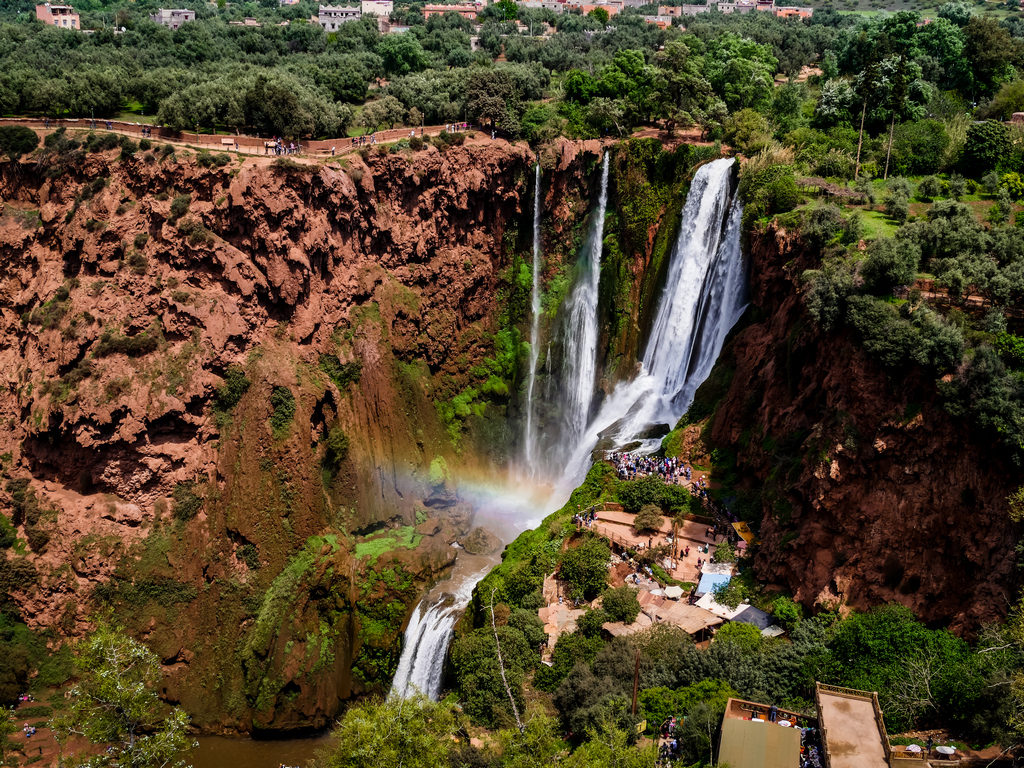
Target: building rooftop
column 750, row 744
column 851, row 727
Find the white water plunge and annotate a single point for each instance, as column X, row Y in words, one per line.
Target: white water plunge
column 703, row 297
column 579, row 362
column 426, row 640
column 529, row 438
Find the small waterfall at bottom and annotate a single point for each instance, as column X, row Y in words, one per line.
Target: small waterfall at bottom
column 426, row 640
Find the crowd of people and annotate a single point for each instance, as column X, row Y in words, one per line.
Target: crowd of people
column 279, row 147
column 633, row 465
column 630, row 466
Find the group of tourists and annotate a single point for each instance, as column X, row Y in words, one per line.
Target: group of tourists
column 279, row 147
column 30, row 730
column 362, row 141
column 454, row 127
column 632, row 465
column 585, row 518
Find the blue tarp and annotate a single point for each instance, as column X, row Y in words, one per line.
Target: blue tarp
column 708, row 582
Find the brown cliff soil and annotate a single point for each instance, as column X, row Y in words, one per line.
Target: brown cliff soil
column 269, row 539
column 867, row 490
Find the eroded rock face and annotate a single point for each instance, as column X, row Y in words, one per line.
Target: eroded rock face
column 870, row 491
column 368, row 290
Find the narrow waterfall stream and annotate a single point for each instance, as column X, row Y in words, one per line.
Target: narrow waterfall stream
column 579, row 363
column 529, row 438
column 701, row 301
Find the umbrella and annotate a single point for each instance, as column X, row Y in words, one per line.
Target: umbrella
column 913, row 748
column 674, row 592
column 946, row 750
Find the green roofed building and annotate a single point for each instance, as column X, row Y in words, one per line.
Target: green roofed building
column 755, row 742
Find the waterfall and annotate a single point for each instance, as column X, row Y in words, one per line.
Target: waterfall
column 579, row 363
column 702, row 299
column 529, row 439
column 426, row 640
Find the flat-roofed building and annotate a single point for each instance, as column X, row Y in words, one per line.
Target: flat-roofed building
column 465, row 11
column 331, row 17
column 383, row 8
column 750, row 739
column 63, row 16
column 173, row 18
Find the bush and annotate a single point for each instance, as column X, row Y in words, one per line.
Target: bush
column 342, row 374
column 890, row 262
column 187, row 502
column 915, row 336
column 919, row 147
column 416, row 143
column 335, row 449
column 987, row 144
column 206, row 160
column 585, row 568
column 236, row 384
column 787, row 613
column 180, row 206
column 897, row 200
column 101, row 142
column 282, row 401
column 769, row 191
column 114, row 343
column 929, row 188
column 621, row 604
column 649, row 518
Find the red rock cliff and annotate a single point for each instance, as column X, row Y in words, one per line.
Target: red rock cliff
column 129, row 288
column 870, row 492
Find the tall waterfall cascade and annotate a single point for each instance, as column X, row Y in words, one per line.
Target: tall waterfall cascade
column 579, row 363
column 703, row 297
column 529, row 436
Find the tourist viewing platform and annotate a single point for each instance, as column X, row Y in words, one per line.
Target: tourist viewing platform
column 852, row 730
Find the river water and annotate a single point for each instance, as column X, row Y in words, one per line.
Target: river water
column 224, row 752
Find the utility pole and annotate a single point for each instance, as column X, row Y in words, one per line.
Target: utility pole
column 636, row 679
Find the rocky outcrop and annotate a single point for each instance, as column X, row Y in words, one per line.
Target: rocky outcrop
column 868, row 491
column 225, row 390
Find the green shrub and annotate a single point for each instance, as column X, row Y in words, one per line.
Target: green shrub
column 180, row 206
column 187, row 502
column 335, row 449
column 648, row 519
column 101, row 142
column 985, row 147
column 768, row 191
column 890, row 262
column 929, row 188
column 236, row 384
column 137, row 262
column 113, row 342
column 282, row 403
column 914, row 336
column 919, row 147
column 342, row 374
column 621, row 604
column 585, row 568
column 1011, row 348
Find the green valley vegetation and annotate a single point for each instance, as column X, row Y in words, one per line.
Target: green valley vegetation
column 884, row 77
